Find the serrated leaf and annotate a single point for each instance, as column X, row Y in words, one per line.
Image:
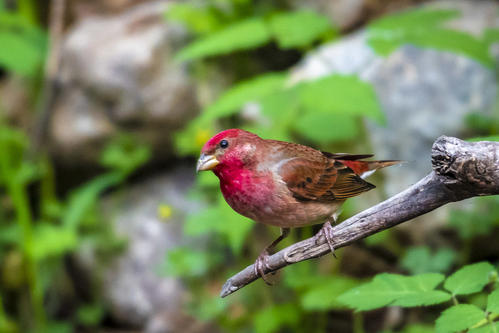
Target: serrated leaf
column 458, row 317
column 393, row 289
column 469, row 279
column 326, row 127
column 300, row 28
column 242, row 35
column 270, row 319
column 322, row 294
column 247, row 91
column 493, row 302
column 341, row 94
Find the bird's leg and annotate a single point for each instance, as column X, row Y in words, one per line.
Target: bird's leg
column 261, row 261
column 327, row 230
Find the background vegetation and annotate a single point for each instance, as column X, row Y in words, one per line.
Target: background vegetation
column 446, row 285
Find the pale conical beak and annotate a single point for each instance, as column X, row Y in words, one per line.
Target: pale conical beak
column 206, row 162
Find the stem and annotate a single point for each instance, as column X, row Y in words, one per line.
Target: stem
column 3, row 317
column 17, row 192
column 358, row 323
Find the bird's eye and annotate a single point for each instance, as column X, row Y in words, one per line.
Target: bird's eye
column 224, row 144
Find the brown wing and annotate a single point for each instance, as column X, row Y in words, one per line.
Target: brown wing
column 346, row 157
column 321, row 179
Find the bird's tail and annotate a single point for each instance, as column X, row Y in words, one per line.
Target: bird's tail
column 366, row 168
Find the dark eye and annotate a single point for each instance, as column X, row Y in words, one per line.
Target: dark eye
column 224, row 144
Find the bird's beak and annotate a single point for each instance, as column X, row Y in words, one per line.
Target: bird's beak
column 206, row 162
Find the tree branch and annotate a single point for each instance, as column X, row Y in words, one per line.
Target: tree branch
column 460, row 170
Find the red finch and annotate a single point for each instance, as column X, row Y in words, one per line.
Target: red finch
column 284, row 184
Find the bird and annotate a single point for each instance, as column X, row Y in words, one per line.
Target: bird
column 284, row 184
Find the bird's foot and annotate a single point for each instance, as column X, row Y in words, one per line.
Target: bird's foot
column 327, row 230
column 261, row 264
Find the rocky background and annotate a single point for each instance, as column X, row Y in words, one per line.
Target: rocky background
column 119, row 79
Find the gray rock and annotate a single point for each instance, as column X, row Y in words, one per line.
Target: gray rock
column 136, row 291
column 117, row 73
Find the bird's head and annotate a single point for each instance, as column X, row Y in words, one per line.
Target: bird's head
column 232, row 148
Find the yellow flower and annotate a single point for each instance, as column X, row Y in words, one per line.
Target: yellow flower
column 164, row 211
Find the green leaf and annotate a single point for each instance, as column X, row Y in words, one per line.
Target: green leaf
column 223, row 220
column 90, row 314
column 247, row 91
column 485, row 138
column 419, row 260
column 491, row 35
column 198, row 19
column 469, row 279
column 418, row 328
column 424, row 28
column 393, row 289
column 49, row 240
column 82, row 199
column 458, row 318
column 125, row 154
column 25, row 42
column 473, row 222
column 191, row 139
column 341, row 94
column 278, row 113
column 326, row 127
column 322, row 295
column 272, row 318
column 298, row 29
column 487, row 328
column 57, row 327
column 242, row 35
column 207, row 308
column 186, row 262
column 493, row 302
column 409, row 19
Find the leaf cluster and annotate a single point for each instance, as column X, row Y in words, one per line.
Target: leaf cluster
column 427, row 289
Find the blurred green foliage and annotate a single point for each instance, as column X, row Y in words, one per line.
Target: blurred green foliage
column 40, row 237
column 24, row 39
column 425, row 27
column 40, row 228
column 418, row 260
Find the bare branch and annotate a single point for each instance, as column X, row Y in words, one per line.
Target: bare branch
column 460, row 170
